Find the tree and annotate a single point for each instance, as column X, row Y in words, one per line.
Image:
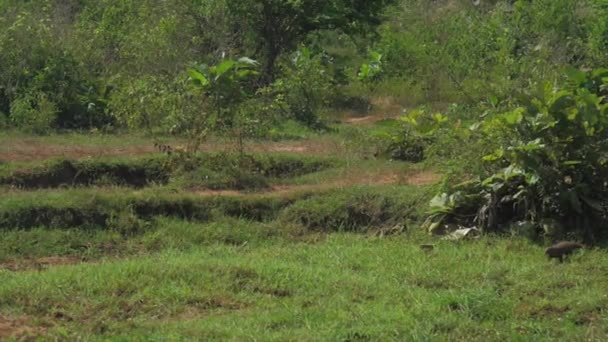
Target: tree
column 224, row 89
column 280, row 25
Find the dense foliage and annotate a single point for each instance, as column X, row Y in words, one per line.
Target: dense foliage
column 548, row 172
column 503, row 98
column 82, row 64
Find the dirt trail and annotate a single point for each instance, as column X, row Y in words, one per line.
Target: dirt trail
column 40, row 148
column 33, row 152
column 37, row 149
column 368, row 120
column 419, row 178
column 385, row 108
column 38, row 263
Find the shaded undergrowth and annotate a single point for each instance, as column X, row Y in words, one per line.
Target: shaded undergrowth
column 211, row 171
column 354, row 209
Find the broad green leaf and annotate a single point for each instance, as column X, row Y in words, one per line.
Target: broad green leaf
column 198, row 77
column 241, row 74
column 600, row 73
column 364, row 72
column 223, row 67
column 576, row 75
column 439, row 118
column 409, row 120
column 572, row 113
column 497, row 155
column 440, row 201
column 375, row 56
column 514, row 117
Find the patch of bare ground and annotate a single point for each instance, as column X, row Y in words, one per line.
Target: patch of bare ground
column 369, row 119
column 205, row 192
column 423, row 178
column 384, row 107
column 18, row 328
column 31, row 150
column 420, row 178
column 39, row 263
column 197, row 308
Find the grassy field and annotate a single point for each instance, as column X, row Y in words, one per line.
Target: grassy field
column 327, row 249
column 330, row 287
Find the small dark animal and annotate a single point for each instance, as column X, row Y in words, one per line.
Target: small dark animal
column 427, row 248
column 561, row 249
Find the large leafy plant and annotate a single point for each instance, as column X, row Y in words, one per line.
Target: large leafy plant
column 224, row 88
column 552, row 168
column 408, row 137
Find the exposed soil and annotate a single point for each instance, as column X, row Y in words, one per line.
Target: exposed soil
column 382, row 178
column 34, row 149
column 423, row 178
column 384, row 108
column 29, row 151
column 38, row 263
column 19, row 328
column 367, row 120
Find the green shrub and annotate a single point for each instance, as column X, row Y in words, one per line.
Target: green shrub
column 305, row 87
column 153, row 103
column 35, row 113
column 551, row 165
column 457, row 52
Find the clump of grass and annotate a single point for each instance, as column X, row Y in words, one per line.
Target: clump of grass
column 210, row 171
column 57, row 173
column 249, row 172
column 358, row 209
column 91, row 209
column 128, row 235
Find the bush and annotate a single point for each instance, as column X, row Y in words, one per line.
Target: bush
column 35, row 113
column 153, row 103
column 305, row 87
column 552, row 165
column 462, row 53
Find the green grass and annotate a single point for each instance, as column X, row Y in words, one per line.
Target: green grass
column 158, row 234
column 314, row 262
column 357, row 209
column 344, row 287
column 217, row 171
column 90, row 208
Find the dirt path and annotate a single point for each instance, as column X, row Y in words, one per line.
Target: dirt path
column 368, row 120
column 38, row 149
column 30, row 148
column 38, row 263
column 419, row 178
